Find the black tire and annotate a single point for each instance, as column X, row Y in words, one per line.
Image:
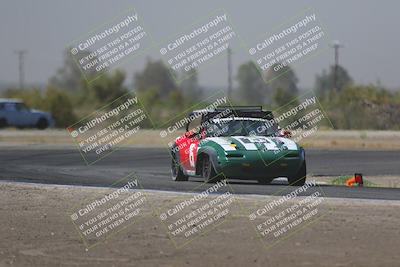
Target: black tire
column 3, row 123
column 300, row 178
column 176, row 171
column 42, row 124
column 207, row 170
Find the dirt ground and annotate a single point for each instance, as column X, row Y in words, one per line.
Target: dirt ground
column 36, row 230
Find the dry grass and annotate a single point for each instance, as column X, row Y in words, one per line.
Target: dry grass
column 379, row 140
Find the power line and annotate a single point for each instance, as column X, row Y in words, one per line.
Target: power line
column 21, row 64
column 229, row 51
column 336, row 45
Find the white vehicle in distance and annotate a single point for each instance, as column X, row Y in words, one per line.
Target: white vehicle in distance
column 13, row 112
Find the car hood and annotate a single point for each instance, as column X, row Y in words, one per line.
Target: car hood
column 260, row 143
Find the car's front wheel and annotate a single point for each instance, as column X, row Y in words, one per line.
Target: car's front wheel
column 42, row 124
column 3, row 123
column 207, row 170
column 299, row 178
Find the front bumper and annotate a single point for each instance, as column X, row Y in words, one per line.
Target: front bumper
column 260, row 165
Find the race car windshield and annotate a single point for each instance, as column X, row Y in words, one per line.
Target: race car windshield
column 242, row 128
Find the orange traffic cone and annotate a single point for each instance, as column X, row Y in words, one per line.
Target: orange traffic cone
column 350, row 182
column 357, row 179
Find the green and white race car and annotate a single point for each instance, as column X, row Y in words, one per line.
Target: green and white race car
column 236, row 143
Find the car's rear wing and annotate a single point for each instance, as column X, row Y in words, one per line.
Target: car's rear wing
column 241, row 108
column 237, row 111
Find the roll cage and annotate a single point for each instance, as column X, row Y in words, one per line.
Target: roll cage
column 228, row 111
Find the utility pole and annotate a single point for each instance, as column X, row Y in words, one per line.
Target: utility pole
column 21, row 64
column 229, row 51
column 336, row 45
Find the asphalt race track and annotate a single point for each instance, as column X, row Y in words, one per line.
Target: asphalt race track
column 66, row 166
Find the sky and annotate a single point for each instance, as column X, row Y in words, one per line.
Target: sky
column 368, row 30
